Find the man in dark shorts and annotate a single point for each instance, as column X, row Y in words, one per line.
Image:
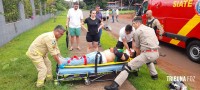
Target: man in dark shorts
column 125, row 37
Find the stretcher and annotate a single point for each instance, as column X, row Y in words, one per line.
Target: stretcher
column 89, row 73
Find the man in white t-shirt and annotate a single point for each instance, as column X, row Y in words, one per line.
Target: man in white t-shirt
column 126, row 37
column 117, row 14
column 107, row 15
column 74, row 20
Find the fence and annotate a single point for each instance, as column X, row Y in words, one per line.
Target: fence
column 10, row 30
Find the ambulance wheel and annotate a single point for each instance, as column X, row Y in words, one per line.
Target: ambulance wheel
column 193, row 51
column 87, row 81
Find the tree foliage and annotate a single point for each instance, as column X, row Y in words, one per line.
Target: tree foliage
column 37, row 6
column 126, row 2
column 82, row 5
column 11, row 8
column 27, row 8
column 43, row 7
column 92, row 3
column 61, row 5
column 11, row 11
column 102, row 3
column 130, row 3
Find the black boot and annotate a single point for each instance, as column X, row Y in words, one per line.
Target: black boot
column 155, row 62
column 154, row 77
column 113, row 86
column 135, row 73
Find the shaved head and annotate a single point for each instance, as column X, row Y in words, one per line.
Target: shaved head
column 149, row 14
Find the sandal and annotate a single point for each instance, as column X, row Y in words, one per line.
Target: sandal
column 78, row 48
column 71, row 49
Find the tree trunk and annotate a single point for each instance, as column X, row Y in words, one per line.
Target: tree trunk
column 130, row 2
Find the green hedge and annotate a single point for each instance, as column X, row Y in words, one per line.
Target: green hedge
column 27, row 8
column 37, row 6
column 11, row 11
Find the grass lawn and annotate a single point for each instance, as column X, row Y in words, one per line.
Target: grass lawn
column 18, row 72
column 123, row 12
column 126, row 11
column 143, row 81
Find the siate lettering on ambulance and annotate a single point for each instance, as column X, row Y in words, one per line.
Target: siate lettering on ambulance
column 182, row 3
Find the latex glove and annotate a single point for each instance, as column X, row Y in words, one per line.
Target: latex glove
column 61, row 66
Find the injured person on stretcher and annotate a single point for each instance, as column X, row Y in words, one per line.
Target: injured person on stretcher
column 109, row 55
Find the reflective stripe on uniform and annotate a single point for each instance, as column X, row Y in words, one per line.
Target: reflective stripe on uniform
column 49, row 76
column 35, row 62
column 129, row 59
column 28, row 54
column 38, row 52
column 40, row 81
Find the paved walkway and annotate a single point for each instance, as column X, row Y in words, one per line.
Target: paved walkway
column 116, row 26
column 95, row 85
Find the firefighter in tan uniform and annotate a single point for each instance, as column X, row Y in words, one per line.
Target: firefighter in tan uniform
column 38, row 53
column 146, row 46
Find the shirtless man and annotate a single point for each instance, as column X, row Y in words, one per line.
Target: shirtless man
column 108, row 55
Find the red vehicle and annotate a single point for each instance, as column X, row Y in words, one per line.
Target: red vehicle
column 180, row 20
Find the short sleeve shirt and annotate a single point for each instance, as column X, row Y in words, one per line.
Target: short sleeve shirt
column 145, row 38
column 75, row 17
column 45, row 43
column 93, row 25
column 122, row 35
column 99, row 15
column 113, row 12
column 117, row 12
column 107, row 13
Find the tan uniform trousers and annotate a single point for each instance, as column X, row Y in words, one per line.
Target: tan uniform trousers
column 43, row 66
column 137, row 62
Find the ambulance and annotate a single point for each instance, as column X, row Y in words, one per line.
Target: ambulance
column 180, row 20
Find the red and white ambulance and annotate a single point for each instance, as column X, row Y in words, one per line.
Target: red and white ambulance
column 180, row 20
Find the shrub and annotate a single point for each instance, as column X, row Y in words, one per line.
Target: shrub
column 27, row 8
column 37, row 6
column 11, row 11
